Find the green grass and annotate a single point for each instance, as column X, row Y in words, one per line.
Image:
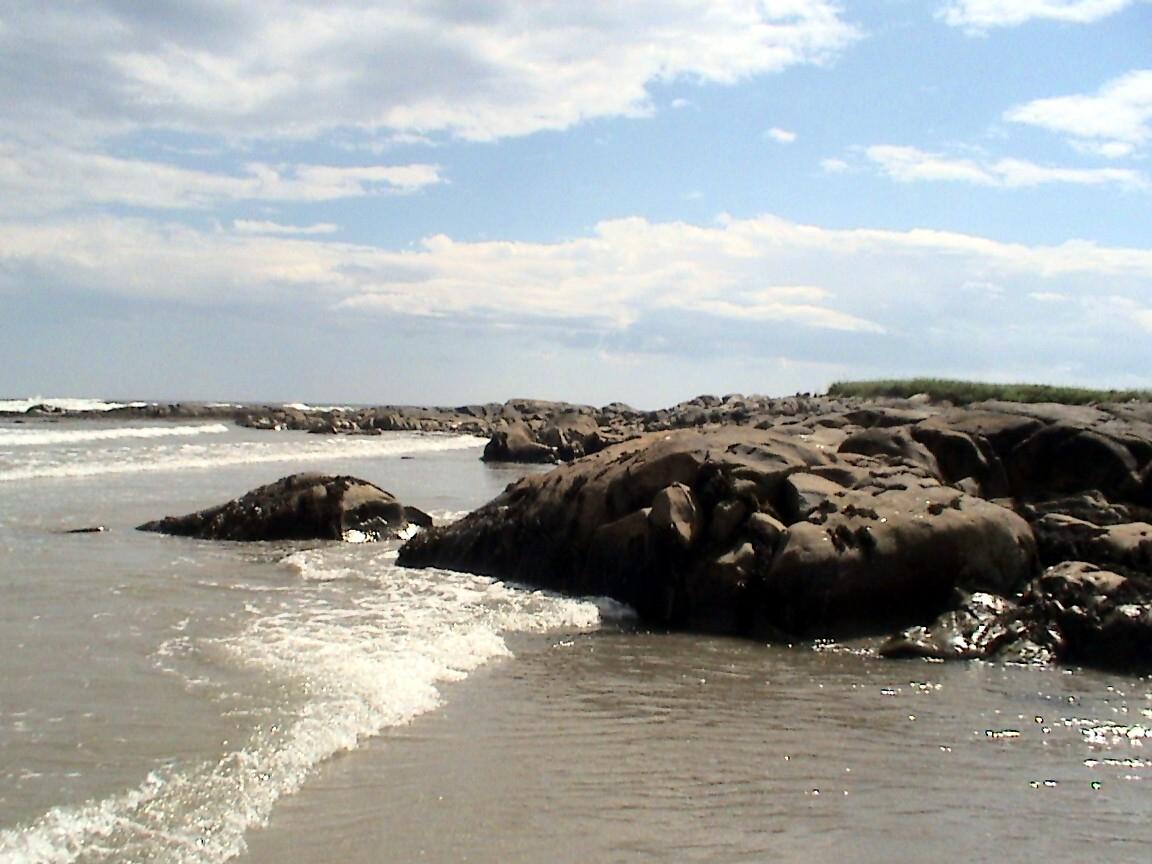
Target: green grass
column 964, row 392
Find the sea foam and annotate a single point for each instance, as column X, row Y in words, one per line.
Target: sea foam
column 43, row 437
column 364, row 661
column 19, row 406
column 271, row 448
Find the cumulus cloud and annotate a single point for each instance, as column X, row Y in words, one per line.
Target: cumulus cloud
column 766, row 285
column 781, row 136
column 1114, row 122
column 981, row 15
column 270, row 68
column 910, row 164
column 250, row 226
column 36, row 180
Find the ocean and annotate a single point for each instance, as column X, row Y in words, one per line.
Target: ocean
column 172, row 700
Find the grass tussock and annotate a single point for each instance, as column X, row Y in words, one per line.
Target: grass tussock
column 965, row 392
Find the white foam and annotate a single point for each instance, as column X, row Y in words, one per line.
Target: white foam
column 42, row 437
column 302, row 406
column 302, row 448
column 21, row 405
column 372, row 662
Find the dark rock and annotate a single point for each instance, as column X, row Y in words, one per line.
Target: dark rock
column 980, row 626
column 891, row 444
column 516, row 444
column 1090, row 506
column 94, row 529
column 1063, row 538
column 804, row 494
column 1003, row 430
column 890, row 555
column 628, row 523
column 1103, row 618
column 674, row 513
column 299, row 507
column 963, row 456
column 572, row 434
column 1064, row 459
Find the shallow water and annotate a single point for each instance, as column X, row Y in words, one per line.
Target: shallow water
column 642, row 747
column 164, row 698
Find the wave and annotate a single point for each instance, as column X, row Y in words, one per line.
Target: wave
column 41, row 437
column 364, row 666
column 193, row 457
column 19, row 406
column 303, row 406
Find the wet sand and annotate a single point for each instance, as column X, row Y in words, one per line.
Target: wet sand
column 630, row 747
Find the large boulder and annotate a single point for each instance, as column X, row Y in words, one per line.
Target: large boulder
column 733, row 530
column 572, row 434
column 1102, row 617
column 1066, row 459
column 877, row 555
column 515, row 443
column 299, row 507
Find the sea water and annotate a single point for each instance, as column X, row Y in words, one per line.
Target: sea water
column 169, row 699
column 159, row 695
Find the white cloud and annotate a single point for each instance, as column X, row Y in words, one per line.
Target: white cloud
column 249, row 226
column 51, row 178
column 910, row 164
column 1115, row 122
column 782, row 136
column 981, row 15
column 294, row 68
column 834, row 166
column 767, row 275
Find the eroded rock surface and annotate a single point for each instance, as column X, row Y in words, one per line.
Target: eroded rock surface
column 808, row 516
column 729, row 530
column 299, row 507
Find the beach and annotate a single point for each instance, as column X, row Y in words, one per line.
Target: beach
column 168, row 699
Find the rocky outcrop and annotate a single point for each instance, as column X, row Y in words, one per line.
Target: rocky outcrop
column 515, row 443
column 1075, row 612
column 731, row 530
column 812, row 516
column 299, row 507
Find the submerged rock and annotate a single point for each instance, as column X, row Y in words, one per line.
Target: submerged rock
column 1075, row 612
column 979, row 626
column 299, row 507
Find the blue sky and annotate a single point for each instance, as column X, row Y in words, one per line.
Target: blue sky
column 446, row 202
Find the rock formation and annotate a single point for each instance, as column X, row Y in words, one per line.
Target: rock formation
column 815, row 516
column 299, row 507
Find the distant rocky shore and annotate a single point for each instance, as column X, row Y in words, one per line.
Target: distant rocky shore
column 991, row 529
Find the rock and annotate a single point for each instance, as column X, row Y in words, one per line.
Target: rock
column 685, row 527
column 1090, row 506
column 804, row 494
column 891, row 555
column 963, row 456
column 1003, row 430
column 616, row 523
column 299, row 507
column 674, row 513
column 94, row 529
column 1103, row 618
column 891, row 444
column 1063, row 459
column 515, row 443
column 572, row 434
column 1063, row 538
column 979, row 627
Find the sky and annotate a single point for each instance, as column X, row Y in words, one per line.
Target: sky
column 448, row 202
